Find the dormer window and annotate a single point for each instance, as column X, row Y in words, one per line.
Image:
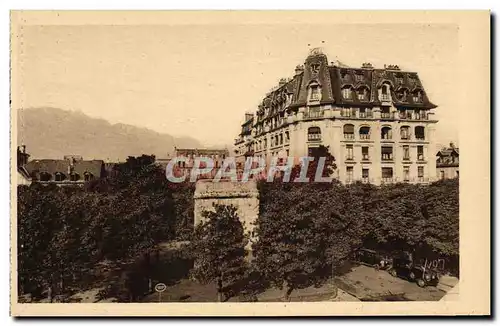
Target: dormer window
column 347, row 92
column 59, row 176
column 418, row 96
column 403, row 95
column 359, row 77
column 385, row 92
column 314, row 92
column 362, row 94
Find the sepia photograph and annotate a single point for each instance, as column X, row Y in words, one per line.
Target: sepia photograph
column 266, row 158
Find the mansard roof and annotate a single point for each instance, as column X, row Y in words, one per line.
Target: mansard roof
column 332, row 78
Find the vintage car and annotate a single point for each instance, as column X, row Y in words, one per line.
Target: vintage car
column 371, row 258
column 403, row 266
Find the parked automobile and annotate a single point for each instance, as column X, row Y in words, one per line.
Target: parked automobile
column 403, row 266
column 371, row 258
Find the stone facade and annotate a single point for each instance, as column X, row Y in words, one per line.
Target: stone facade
column 242, row 195
column 377, row 123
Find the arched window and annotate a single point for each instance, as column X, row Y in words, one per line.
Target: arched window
column 59, row 176
column 386, row 133
column 88, row 176
column 314, row 134
column 347, row 92
column 349, row 131
column 405, row 132
column 385, row 92
column 420, row 133
column 74, row 176
column 364, row 132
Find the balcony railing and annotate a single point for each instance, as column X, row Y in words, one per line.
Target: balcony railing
column 366, row 157
column 387, row 179
column 364, row 136
column 387, row 115
column 314, row 114
column 421, row 157
column 387, row 157
column 314, row 137
column 420, row 137
column 349, row 158
column 349, row 136
column 365, row 115
column 385, row 98
column 347, row 114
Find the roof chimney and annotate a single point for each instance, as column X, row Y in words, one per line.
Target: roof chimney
column 299, row 69
column 282, row 82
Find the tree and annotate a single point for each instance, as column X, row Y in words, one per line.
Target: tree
column 218, row 249
column 304, row 231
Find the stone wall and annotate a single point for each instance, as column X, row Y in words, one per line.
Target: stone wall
column 242, row 195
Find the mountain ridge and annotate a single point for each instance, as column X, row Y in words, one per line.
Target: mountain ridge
column 52, row 133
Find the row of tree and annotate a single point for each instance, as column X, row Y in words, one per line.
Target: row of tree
column 306, row 232
column 64, row 233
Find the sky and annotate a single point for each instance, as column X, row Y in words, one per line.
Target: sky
column 199, row 80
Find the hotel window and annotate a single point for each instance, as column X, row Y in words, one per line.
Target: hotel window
column 362, row 94
column 387, row 174
column 281, row 139
column 418, row 96
column 385, row 113
column 287, row 152
column 420, row 133
column 420, row 153
column 349, row 152
column 347, row 92
column 287, row 137
column 362, row 113
column 405, row 132
column 406, row 173
column 265, row 142
column 314, row 134
column 365, row 174
column 386, row 133
column 348, row 131
column 314, row 92
column 364, row 153
column 420, row 172
column 349, row 171
column 364, row 132
column 406, row 152
column 387, row 153
column 385, row 93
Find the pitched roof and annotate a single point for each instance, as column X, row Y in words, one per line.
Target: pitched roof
column 95, row 167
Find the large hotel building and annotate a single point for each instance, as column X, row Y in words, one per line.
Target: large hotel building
column 377, row 123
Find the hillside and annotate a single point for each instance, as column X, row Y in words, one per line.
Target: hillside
column 53, row 133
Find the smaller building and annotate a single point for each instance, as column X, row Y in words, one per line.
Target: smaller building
column 23, row 176
column 447, row 162
column 217, row 155
column 72, row 170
